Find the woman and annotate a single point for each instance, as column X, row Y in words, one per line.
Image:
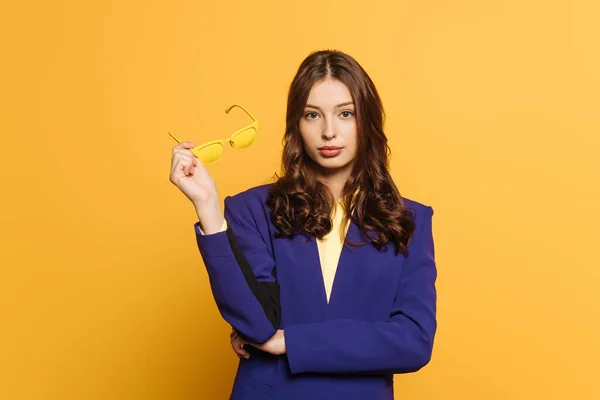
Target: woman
column 328, row 273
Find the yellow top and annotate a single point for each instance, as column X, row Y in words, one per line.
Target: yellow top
column 330, row 247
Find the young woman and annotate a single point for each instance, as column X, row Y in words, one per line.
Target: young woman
column 328, row 273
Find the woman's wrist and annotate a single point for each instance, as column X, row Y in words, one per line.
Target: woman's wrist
column 210, row 216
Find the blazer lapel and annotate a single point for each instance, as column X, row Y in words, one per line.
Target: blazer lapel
column 306, row 271
column 346, row 271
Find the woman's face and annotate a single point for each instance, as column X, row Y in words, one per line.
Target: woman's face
column 328, row 127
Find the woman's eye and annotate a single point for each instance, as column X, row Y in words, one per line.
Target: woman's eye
column 312, row 115
column 346, row 114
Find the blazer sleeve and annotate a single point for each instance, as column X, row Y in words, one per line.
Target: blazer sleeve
column 401, row 344
column 241, row 272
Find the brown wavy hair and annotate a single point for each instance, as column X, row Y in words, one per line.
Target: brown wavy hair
column 300, row 203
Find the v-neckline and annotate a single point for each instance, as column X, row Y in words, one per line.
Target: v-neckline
column 329, row 259
column 339, row 267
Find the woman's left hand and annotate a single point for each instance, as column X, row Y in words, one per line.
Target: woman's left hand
column 237, row 344
column 275, row 345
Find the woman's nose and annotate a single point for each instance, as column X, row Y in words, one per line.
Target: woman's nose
column 329, row 132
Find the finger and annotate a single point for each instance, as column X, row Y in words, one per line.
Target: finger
column 239, row 342
column 191, row 160
column 235, row 340
column 185, row 154
column 187, row 164
column 175, row 170
column 243, row 352
column 181, row 166
column 238, row 352
column 184, row 145
column 237, row 345
column 180, row 160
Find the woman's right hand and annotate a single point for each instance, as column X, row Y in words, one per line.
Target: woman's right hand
column 191, row 176
column 237, row 344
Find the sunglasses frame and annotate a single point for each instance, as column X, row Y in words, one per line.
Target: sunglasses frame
column 231, row 139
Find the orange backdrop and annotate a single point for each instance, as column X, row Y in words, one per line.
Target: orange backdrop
column 493, row 119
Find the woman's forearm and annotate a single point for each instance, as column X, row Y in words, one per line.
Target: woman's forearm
column 210, row 216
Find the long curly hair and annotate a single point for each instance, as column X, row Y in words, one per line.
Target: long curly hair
column 300, row 203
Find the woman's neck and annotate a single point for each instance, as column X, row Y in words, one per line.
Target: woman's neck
column 335, row 183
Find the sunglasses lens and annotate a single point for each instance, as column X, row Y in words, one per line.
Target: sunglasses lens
column 209, row 154
column 244, row 139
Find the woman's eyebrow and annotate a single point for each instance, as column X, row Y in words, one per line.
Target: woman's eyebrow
column 348, row 103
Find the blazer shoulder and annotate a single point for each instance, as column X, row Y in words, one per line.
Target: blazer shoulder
column 422, row 216
column 418, row 209
column 414, row 204
column 251, row 200
column 257, row 193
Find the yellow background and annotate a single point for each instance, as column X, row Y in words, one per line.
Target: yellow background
column 493, row 119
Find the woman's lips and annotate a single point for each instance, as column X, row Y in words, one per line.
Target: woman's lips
column 330, row 151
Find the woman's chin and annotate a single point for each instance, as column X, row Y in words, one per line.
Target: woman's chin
column 331, row 166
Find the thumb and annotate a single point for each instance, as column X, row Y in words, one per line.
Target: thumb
column 188, row 145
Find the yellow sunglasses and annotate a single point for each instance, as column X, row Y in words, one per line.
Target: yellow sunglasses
column 243, row 138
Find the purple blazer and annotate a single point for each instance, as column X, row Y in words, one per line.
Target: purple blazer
column 380, row 320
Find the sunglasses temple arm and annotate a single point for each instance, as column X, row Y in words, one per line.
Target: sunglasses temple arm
column 243, row 108
column 177, row 140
